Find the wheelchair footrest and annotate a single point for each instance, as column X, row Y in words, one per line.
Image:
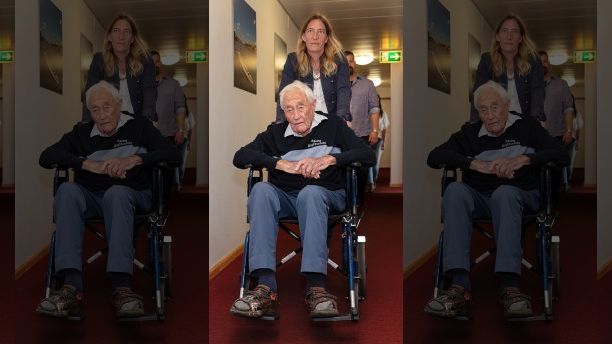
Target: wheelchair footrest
column 345, row 317
column 146, row 317
column 540, row 317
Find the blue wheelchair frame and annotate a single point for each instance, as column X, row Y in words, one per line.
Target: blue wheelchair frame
column 547, row 246
column 353, row 265
column 160, row 256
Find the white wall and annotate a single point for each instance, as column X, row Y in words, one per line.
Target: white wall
column 238, row 116
column 604, row 128
column 431, row 116
column 202, row 124
column 43, row 116
column 7, row 116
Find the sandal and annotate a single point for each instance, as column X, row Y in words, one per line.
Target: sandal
column 516, row 304
column 127, row 303
column 255, row 303
column 66, row 302
column 448, row 304
column 321, row 304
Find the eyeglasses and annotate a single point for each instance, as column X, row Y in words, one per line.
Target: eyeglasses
column 300, row 108
column 311, row 31
column 507, row 31
column 116, row 31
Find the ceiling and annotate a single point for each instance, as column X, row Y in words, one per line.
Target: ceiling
column 167, row 26
column 554, row 25
column 361, row 26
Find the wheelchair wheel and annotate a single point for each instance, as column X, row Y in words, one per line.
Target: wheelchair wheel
column 362, row 269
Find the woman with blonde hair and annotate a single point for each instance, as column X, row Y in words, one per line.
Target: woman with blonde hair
column 514, row 63
column 125, row 62
column 320, row 63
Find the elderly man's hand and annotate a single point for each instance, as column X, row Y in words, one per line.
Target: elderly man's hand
column 312, row 167
column 94, row 166
column 481, row 166
column 287, row 166
column 118, row 167
column 505, row 167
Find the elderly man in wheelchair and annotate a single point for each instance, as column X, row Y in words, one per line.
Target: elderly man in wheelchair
column 111, row 158
column 499, row 156
column 305, row 157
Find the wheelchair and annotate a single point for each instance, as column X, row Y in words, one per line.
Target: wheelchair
column 160, row 254
column 547, row 265
column 353, row 265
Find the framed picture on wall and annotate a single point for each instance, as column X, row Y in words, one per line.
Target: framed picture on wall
column 51, row 60
column 473, row 60
column 280, row 55
column 245, row 47
column 438, row 47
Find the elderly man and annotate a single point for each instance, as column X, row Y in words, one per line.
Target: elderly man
column 499, row 155
column 110, row 157
column 304, row 156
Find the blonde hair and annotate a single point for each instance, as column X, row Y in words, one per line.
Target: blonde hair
column 332, row 50
column 138, row 49
column 526, row 49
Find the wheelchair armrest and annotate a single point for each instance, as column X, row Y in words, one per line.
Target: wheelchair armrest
column 255, row 176
column 449, row 175
column 61, row 175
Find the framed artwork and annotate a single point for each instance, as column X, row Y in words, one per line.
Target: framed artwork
column 438, row 47
column 245, row 47
column 51, row 60
column 280, row 55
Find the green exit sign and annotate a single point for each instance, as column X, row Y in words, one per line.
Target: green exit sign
column 7, row 56
column 391, row 56
column 585, row 56
column 196, row 56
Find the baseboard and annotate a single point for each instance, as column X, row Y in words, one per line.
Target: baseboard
column 224, row 262
column 420, row 261
column 605, row 268
column 396, row 185
column 21, row 270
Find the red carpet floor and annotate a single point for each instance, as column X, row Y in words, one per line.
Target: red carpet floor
column 381, row 312
column 576, row 313
column 7, row 269
column 187, row 318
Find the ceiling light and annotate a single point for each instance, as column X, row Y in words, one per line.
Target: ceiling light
column 557, row 58
column 169, row 58
column 364, row 58
column 376, row 80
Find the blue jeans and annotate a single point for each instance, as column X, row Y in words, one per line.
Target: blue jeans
column 311, row 205
column 461, row 204
column 74, row 204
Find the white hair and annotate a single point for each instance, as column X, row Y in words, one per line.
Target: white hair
column 492, row 85
column 296, row 85
column 103, row 85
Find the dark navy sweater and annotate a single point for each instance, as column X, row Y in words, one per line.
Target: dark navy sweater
column 524, row 137
column 332, row 136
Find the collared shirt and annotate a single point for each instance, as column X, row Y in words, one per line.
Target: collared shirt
column 315, row 121
column 364, row 103
column 122, row 120
column 557, row 102
column 509, row 121
column 170, row 101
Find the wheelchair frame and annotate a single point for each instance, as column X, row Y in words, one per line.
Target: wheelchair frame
column 547, row 266
column 160, row 253
column 353, row 265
